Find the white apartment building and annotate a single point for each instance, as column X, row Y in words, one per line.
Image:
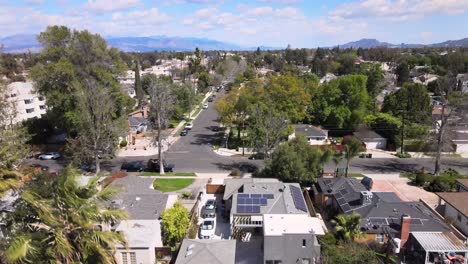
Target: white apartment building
column 28, row 103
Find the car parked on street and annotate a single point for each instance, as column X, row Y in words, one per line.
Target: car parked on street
column 188, row 126
column 49, row 156
column 210, row 99
column 184, row 132
column 133, row 166
column 153, row 166
column 209, row 209
column 205, row 106
column 40, row 167
column 207, row 229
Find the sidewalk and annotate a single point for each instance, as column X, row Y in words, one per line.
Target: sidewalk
column 152, row 149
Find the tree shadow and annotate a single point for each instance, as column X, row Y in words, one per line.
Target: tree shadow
column 243, row 166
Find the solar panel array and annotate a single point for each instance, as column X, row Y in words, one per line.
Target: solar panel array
column 250, row 203
column 298, row 198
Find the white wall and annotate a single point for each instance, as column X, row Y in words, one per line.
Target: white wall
column 143, row 256
column 20, row 93
column 376, row 144
column 462, row 148
column 453, row 213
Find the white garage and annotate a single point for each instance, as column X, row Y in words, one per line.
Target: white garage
column 371, row 139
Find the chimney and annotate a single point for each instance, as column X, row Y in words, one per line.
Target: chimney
column 405, row 229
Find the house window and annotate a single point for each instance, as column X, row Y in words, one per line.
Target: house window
column 273, row 262
column 28, row 101
column 304, row 243
column 133, row 258
column 379, row 238
column 13, row 95
column 29, row 110
column 42, row 107
column 459, row 217
column 124, row 258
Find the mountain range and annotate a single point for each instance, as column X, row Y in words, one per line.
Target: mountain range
column 24, row 43
column 372, row 43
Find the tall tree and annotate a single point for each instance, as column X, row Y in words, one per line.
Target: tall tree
column 267, row 128
column 402, row 72
column 351, row 150
column 140, row 94
column 348, row 226
column 97, row 128
column 452, row 100
column 175, row 222
column 68, row 58
column 61, row 226
column 162, row 105
column 296, row 161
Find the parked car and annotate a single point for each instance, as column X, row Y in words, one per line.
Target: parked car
column 207, row 229
column 184, row 132
column 215, row 128
column 49, row 156
column 210, row 99
column 205, row 106
column 257, row 156
column 153, row 165
column 133, row 166
column 188, row 126
column 209, row 209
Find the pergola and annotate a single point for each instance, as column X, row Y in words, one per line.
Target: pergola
column 438, row 242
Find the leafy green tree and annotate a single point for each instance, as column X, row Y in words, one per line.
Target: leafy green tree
column 203, row 81
column 69, row 57
column 351, row 150
column 412, row 100
column 374, row 78
column 61, row 226
column 146, row 81
column 341, row 252
column 348, row 226
column 341, row 103
column 402, row 72
column 175, row 222
column 347, row 62
column 296, row 161
column 140, row 94
column 385, row 125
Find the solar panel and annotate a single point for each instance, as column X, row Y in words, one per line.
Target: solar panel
column 346, row 208
column 243, row 195
column 341, row 201
column 378, row 221
column 415, row 221
column 256, row 209
column 248, row 200
column 344, row 192
column 298, row 199
column 268, row 196
column 241, row 209
column 327, row 182
column 255, row 201
column 263, row 201
column 256, row 196
column 240, row 200
column 338, row 195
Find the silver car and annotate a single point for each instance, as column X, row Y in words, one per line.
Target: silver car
column 49, row 156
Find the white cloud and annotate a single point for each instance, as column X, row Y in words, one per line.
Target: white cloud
column 35, row 2
column 398, row 10
column 110, row 6
column 286, row 2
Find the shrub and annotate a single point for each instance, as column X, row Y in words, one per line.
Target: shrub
column 123, row 143
column 236, row 172
column 403, row 155
column 185, row 195
column 421, row 178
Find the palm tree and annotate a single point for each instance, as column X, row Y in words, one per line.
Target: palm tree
column 64, row 229
column 9, row 180
column 352, row 149
column 337, row 158
column 348, row 226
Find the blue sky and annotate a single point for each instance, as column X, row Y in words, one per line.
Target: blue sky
column 301, row 23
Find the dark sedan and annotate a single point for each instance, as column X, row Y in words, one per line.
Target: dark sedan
column 134, row 166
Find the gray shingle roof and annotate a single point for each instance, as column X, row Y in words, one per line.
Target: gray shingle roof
column 136, row 121
column 207, row 252
column 367, row 135
column 231, row 186
column 138, row 199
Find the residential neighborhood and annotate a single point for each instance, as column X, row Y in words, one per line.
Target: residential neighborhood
column 153, row 149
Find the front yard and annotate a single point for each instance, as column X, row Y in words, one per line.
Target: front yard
column 171, row 185
column 179, row 174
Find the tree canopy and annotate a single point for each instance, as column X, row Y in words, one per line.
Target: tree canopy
column 175, row 222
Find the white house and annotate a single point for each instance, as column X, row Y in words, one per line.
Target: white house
column 314, row 135
column 328, row 77
column 28, row 103
column 371, row 139
column 455, row 208
column 462, row 80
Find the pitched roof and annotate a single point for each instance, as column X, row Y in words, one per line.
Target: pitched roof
column 463, row 182
column 194, row 251
column 136, row 121
column 233, row 185
column 439, row 242
column 457, row 200
column 310, row 131
column 367, row 134
column 139, row 199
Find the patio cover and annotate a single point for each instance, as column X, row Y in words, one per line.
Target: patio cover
column 439, row 242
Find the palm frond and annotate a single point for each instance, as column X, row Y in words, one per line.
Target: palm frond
column 19, row 250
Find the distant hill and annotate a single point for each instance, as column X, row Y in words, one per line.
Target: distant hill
column 452, row 43
column 20, row 43
column 373, row 43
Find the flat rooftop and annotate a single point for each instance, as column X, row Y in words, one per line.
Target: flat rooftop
column 279, row 224
column 141, row 233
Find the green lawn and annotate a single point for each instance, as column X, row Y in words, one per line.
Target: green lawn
column 171, row 185
column 356, row 175
column 180, row 174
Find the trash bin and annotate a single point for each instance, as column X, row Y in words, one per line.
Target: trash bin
column 369, row 155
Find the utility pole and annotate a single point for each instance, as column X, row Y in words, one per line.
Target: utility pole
column 402, row 130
